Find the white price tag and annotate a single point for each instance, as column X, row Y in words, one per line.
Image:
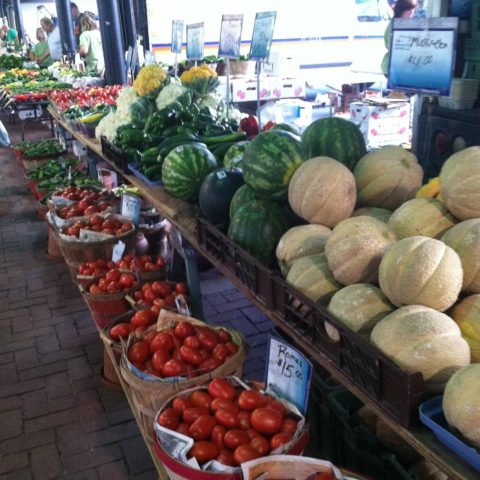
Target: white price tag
column 91, row 236
column 221, row 174
column 182, row 305
column 131, row 207
column 118, row 250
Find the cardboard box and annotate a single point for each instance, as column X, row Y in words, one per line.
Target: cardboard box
column 78, row 148
column 246, row 90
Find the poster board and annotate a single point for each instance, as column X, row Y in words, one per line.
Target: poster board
column 195, row 41
column 422, row 55
column 230, row 36
column 177, row 36
column 262, row 35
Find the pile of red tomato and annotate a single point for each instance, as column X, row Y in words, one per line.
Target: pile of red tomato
column 160, row 294
column 186, row 350
column 113, row 281
column 228, row 424
column 85, row 97
column 96, row 223
column 86, row 206
column 79, row 193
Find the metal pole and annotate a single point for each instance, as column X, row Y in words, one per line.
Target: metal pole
column 143, row 23
column 130, row 29
column 18, row 20
column 65, row 24
column 110, row 28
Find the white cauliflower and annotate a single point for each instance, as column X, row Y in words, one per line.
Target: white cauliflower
column 169, row 94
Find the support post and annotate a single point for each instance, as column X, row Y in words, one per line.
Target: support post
column 18, row 20
column 143, row 23
column 129, row 29
column 65, row 24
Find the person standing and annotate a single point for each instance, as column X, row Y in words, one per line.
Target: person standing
column 54, row 40
column 41, row 53
column 76, row 20
column 402, row 9
column 8, row 34
column 90, row 44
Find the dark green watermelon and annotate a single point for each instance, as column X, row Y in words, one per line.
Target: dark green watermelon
column 336, row 138
column 257, row 226
column 185, row 168
column 269, row 162
column 234, row 156
column 216, row 193
column 288, row 127
column 243, row 195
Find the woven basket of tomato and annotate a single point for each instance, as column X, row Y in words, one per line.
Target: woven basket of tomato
column 70, row 195
column 177, row 353
column 223, row 425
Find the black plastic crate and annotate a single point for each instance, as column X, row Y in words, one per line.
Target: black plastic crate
column 119, row 158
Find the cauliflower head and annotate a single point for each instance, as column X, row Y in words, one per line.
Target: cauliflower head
column 149, row 79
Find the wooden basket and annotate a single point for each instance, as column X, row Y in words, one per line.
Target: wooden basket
column 149, row 396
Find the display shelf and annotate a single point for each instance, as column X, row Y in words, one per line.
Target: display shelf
column 183, row 216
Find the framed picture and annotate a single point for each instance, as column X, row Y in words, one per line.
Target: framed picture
column 177, row 36
column 230, row 36
column 262, row 35
column 195, row 41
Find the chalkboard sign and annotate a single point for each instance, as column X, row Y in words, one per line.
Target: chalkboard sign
column 177, row 36
column 422, row 55
column 195, row 41
column 289, row 373
column 230, row 36
column 262, row 35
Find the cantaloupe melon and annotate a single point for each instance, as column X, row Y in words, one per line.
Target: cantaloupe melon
column 464, row 238
column 379, row 213
column 466, row 314
column 355, row 248
column 420, row 339
column 360, row 306
column 461, row 403
column 459, row 183
column 312, row 277
column 301, row 241
column 421, row 271
column 322, row 191
column 387, row 177
column 430, row 189
column 421, row 216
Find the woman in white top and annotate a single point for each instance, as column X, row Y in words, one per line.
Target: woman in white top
column 54, row 40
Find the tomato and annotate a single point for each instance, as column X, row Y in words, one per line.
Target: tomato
column 148, row 336
column 127, row 280
column 96, row 220
column 225, row 457
column 224, row 336
column 220, row 388
column 209, row 364
column 244, row 453
column 204, row 353
column 252, row 433
column 169, row 418
column 251, row 399
column 90, row 210
column 207, row 340
column 126, row 227
column 280, row 439
column 289, row 425
column 181, row 288
column 173, row 368
column 266, row 420
column 183, row 330
column 162, row 340
column 181, row 403
column 235, row 437
column 113, row 275
column 176, row 355
column 101, row 263
column 221, row 403
column 162, row 288
column 142, row 318
column 192, row 342
column 190, row 355
column 202, row 427
column 138, row 295
column 261, row 445
column 233, row 347
column 190, row 414
column 227, row 418
column 159, row 358
column 221, row 352
column 149, row 295
column 183, row 429
column 169, row 300
column 113, row 287
column 244, row 420
column 95, row 289
column 120, row 330
column 218, row 432
column 204, row 451
column 199, row 398
column 138, row 352
column 276, row 405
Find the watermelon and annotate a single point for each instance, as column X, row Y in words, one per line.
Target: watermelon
column 336, row 138
column 257, row 226
column 216, row 193
column 185, row 168
column 269, row 162
column 234, row 156
column 288, row 127
column 243, row 195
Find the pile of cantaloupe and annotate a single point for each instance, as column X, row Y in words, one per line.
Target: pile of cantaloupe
column 402, row 270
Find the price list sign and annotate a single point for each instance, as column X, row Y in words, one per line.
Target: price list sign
column 289, row 373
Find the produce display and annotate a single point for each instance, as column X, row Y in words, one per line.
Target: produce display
column 84, row 97
column 41, row 148
column 8, row 61
column 466, row 314
column 112, row 282
column 160, row 294
column 75, row 194
column 108, row 225
column 88, row 205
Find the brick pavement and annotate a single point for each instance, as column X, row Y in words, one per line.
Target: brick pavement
column 57, row 419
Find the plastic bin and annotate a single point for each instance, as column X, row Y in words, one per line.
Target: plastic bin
column 117, row 156
column 133, row 168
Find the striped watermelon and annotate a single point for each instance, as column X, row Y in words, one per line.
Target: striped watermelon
column 257, row 227
column 243, row 195
column 336, row 138
column 185, row 168
column 269, row 162
column 234, row 156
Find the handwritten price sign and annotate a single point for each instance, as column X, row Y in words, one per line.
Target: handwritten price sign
column 289, row 373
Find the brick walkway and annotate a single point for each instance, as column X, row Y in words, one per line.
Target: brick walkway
column 57, row 419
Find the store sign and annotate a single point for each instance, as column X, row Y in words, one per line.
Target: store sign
column 131, row 207
column 422, row 55
column 195, row 41
column 230, row 36
column 177, row 36
column 262, row 35
column 289, row 373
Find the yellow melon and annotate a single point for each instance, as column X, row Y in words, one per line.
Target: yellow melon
column 301, row 241
column 355, row 248
column 420, row 339
column 421, row 216
column 467, row 315
column 430, row 189
column 322, row 191
column 421, row 271
column 387, row 177
column 312, row 277
column 379, row 213
column 464, row 238
column 461, row 403
column 459, row 183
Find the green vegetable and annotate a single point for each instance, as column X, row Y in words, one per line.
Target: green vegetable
column 153, row 173
column 150, row 156
column 229, row 137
